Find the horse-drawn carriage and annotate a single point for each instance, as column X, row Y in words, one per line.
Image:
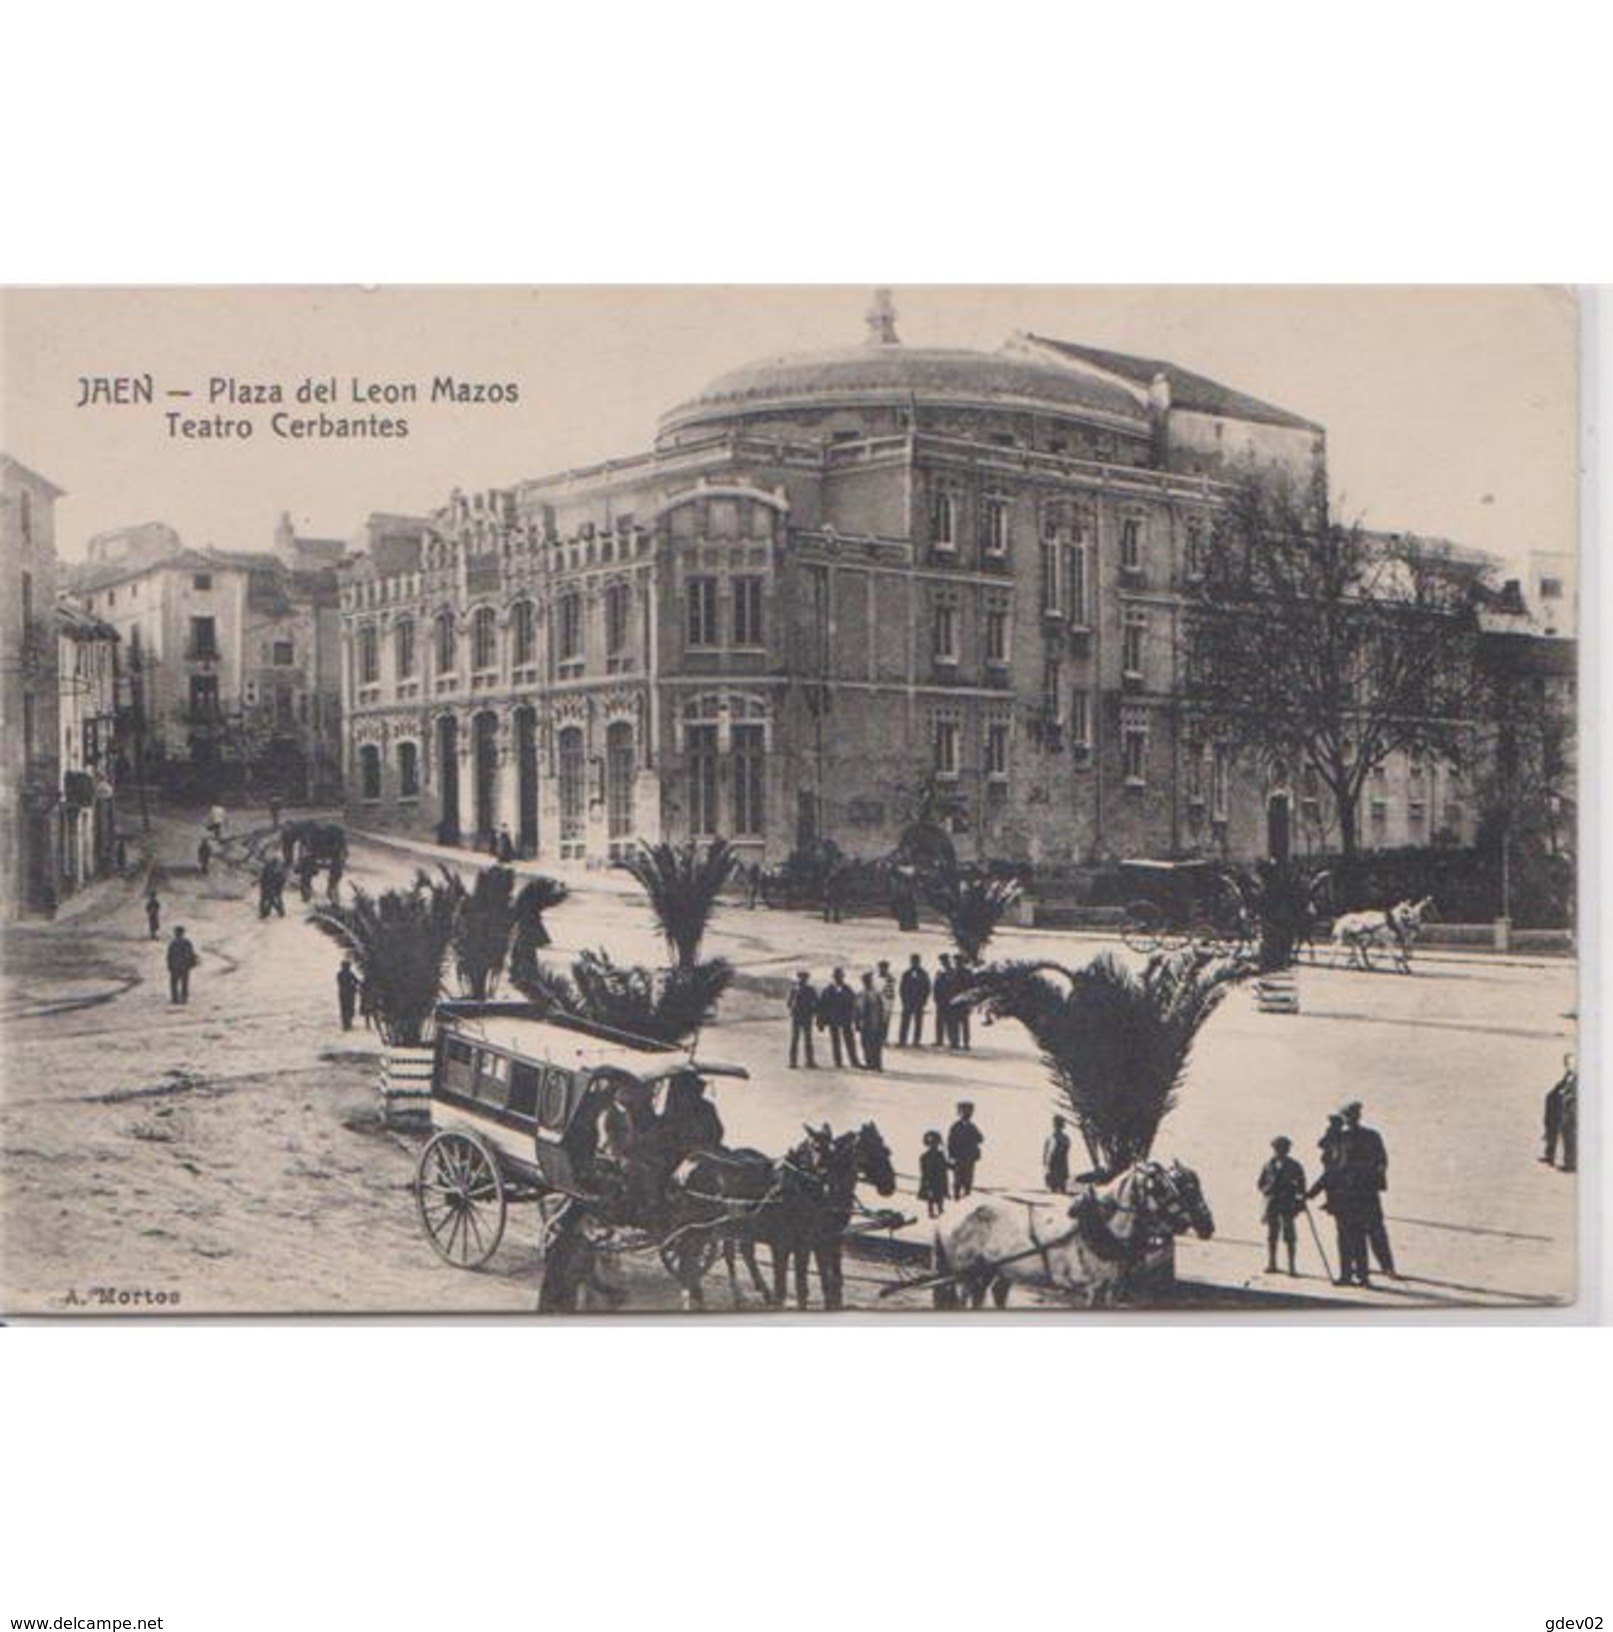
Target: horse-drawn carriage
column 1172, row 904
column 616, row 1133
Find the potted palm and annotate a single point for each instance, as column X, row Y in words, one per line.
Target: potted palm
column 971, row 905
column 491, row 919
column 399, row 942
column 683, row 882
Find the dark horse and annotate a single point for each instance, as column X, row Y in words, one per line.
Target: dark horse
column 798, row 1207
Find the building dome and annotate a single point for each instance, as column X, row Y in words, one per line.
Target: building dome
column 884, row 373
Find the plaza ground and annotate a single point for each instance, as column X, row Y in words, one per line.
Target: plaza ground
column 228, row 1156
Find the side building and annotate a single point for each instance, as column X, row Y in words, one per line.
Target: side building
column 840, row 586
column 87, row 714
column 30, row 761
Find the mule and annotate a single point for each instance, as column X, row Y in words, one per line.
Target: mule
column 1394, row 930
column 1086, row 1248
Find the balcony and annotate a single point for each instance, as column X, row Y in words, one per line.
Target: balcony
column 203, row 654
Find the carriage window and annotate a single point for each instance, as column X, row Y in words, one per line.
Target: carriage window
column 492, row 1078
column 460, row 1065
column 525, row 1080
column 556, row 1094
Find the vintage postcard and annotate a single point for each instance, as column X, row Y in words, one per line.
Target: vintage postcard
column 676, row 799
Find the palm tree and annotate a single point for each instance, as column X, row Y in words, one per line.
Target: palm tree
column 1115, row 1043
column 1282, row 895
column 667, row 1005
column 971, row 905
column 399, row 942
column 490, row 919
column 683, row 882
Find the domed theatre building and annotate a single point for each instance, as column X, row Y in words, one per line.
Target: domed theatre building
column 838, row 582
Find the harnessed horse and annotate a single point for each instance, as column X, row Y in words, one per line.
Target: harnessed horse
column 1394, row 929
column 1087, row 1246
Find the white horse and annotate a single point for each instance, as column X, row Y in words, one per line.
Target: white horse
column 1393, row 929
column 1085, row 1247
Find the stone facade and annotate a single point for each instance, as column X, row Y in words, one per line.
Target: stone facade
column 88, row 720
column 30, row 760
column 838, row 583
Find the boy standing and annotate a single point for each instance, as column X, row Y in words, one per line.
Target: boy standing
column 1282, row 1183
column 933, row 1174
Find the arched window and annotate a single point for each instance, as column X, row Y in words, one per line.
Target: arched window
column 369, row 655
column 523, row 635
column 447, row 645
column 572, row 792
column 408, row 770
column 369, row 771
column 483, row 640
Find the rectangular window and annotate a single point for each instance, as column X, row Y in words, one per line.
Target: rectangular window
column 369, row 656
column 946, row 632
column 203, row 638
column 617, row 607
column 702, row 593
column 1134, row 742
column 994, row 526
column 748, row 611
column 749, row 765
column 946, row 747
column 408, row 770
column 1220, row 775
column 1052, row 586
column 369, row 766
column 1133, row 634
column 702, row 746
column 284, row 654
column 1075, row 557
column 1551, row 589
column 201, row 580
column 1193, row 549
column 1052, row 692
column 403, row 649
column 570, row 627
column 1080, row 719
column 944, row 519
column 1131, row 544
column 997, row 751
column 997, row 635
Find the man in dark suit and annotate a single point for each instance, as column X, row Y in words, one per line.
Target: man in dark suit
column 837, row 1009
column 964, row 1140
column 181, row 960
column 1366, row 1164
column 803, row 1006
column 941, row 991
column 915, row 995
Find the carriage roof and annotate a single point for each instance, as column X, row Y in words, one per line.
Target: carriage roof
column 527, row 1032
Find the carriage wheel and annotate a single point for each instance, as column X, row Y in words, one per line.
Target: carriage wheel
column 461, row 1199
column 696, row 1251
column 1142, row 926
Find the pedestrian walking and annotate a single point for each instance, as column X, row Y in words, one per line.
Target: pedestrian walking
column 964, row 1140
column 887, row 992
column 837, row 1007
column 1366, row 1164
column 204, row 856
column 1282, row 1183
column 1562, row 1118
column 347, row 990
column 181, row 960
column 941, row 991
column 933, row 1174
column 1056, row 1158
column 271, row 889
column 872, row 1021
column 153, row 913
column 803, row 1006
column 274, row 811
column 915, row 995
column 960, row 1010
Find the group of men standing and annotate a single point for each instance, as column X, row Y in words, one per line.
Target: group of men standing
column 858, row 1019
column 1353, row 1179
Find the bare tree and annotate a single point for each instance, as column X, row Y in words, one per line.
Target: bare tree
column 1321, row 644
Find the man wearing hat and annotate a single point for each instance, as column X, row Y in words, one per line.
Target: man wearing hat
column 1282, row 1183
column 1366, row 1163
column 1332, row 1184
column 964, row 1140
column 803, row 1006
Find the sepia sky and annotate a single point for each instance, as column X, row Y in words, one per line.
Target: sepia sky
column 1448, row 410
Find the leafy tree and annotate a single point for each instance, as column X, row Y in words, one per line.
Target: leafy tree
column 1115, row 1043
column 1318, row 644
column 669, row 1005
column 683, row 883
column 399, row 942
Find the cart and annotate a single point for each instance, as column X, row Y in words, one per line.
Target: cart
column 518, row 1096
column 1173, row 904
